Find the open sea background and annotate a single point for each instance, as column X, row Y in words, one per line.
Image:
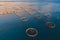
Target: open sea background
column 12, row 28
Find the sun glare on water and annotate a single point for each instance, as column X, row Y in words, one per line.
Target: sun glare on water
column 15, row 7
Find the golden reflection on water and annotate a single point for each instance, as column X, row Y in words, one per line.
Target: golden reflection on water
column 15, row 7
